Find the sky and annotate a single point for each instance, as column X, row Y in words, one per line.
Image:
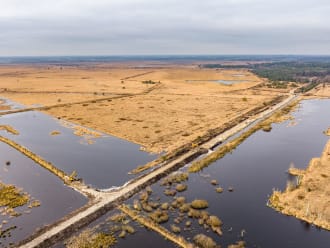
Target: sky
column 154, row 27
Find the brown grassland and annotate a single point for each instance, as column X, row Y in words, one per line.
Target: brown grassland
column 176, row 109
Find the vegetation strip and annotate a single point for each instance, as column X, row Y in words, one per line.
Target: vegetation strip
column 9, row 129
column 47, row 165
column 230, row 146
column 147, row 222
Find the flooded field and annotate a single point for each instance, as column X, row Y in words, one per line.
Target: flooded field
column 102, row 161
column 237, row 188
column 56, row 200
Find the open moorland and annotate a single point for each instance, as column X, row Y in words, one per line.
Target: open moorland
column 159, row 108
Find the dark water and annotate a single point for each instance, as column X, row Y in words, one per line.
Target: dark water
column 253, row 170
column 102, row 164
column 56, row 199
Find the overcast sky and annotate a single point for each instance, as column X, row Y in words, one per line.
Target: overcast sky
column 123, row 27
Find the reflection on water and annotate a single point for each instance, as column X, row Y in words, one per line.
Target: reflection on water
column 56, row 199
column 256, row 167
column 102, row 164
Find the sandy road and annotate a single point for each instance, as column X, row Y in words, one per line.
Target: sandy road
column 106, row 201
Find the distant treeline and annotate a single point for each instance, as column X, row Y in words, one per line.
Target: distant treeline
column 293, row 71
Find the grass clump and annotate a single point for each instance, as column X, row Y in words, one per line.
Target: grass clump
column 165, row 206
column 181, row 187
column 118, row 218
column 88, row 239
column 199, row 204
column 55, row 132
column 35, row 204
column 129, row 229
column 177, row 177
column 214, row 182
column 12, row 197
column 175, row 229
column 9, row 129
column 204, row 241
column 239, row 244
column 327, row 132
column 215, row 223
column 219, row 190
column 159, row 216
column 169, row 192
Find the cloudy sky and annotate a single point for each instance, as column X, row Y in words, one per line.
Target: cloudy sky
column 123, row 27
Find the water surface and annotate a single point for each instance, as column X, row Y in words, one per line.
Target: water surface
column 56, row 199
column 256, row 167
column 103, row 164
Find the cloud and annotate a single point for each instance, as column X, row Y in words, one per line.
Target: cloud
column 37, row 27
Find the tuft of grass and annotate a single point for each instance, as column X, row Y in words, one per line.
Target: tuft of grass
column 159, row 216
column 203, row 241
column 89, row 239
column 12, row 197
column 181, row 187
column 199, row 204
column 165, row 206
column 55, row 132
column 219, row 190
column 175, row 229
column 129, row 229
column 239, row 244
column 9, row 129
column 35, row 204
column 169, row 192
column 214, row 182
column 177, row 177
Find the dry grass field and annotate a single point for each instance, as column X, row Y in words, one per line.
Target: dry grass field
column 321, row 91
column 180, row 104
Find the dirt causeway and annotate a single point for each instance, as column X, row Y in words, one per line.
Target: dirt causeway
column 177, row 106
